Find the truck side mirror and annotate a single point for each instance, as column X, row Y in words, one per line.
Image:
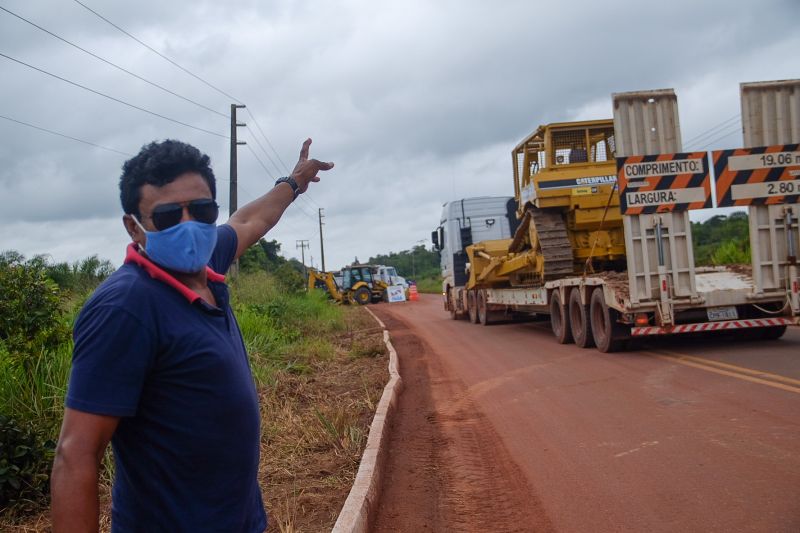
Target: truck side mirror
column 435, row 239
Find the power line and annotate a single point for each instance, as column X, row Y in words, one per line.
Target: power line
column 737, row 129
column 269, row 143
column 158, row 53
column 237, row 100
column 307, row 197
column 65, row 136
column 259, row 161
column 255, row 138
column 114, row 99
column 711, row 131
column 106, row 61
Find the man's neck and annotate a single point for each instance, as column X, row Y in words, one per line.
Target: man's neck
column 197, row 281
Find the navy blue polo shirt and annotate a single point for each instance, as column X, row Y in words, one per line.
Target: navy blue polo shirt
column 174, row 368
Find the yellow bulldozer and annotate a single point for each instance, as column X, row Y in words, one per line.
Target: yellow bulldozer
column 568, row 207
column 358, row 284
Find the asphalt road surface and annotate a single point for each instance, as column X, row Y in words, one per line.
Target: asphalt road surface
column 500, row 428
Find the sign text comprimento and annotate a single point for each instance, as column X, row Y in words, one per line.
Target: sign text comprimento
column 664, row 182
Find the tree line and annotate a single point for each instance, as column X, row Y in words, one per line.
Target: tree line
column 416, row 263
column 722, row 240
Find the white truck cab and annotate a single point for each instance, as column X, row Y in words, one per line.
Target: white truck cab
column 468, row 221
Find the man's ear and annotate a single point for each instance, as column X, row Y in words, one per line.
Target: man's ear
column 133, row 230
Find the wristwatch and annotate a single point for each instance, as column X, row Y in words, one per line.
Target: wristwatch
column 292, row 183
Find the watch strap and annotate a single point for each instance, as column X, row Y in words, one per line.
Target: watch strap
column 292, row 183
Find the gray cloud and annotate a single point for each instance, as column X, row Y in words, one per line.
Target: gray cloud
column 416, row 102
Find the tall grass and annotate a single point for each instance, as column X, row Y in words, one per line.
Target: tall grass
column 432, row 285
column 36, row 392
column 282, row 329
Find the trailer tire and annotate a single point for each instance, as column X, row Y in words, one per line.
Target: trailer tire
column 579, row 320
column 472, row 306
column 609, row 335
column 450, row 304
column 362, row 296
column 484, row 316
column 559, row 319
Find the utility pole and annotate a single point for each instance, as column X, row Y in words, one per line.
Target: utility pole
column 234, row 143
column 321, row 245
column 234, row 197
column 303, row 244
column 413, row 253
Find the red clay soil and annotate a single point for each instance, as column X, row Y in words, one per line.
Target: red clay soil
column 448, row 470
column 502, row 429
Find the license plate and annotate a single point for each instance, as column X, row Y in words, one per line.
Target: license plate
column 722, row 313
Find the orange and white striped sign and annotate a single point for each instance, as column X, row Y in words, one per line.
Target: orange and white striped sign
column 757, row 176
column 664, row 182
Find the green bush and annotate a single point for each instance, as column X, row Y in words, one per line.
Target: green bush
column 732, row 253
column 30, row 310
column 25, row 461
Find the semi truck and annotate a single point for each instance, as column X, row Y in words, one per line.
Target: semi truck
column 606, row 253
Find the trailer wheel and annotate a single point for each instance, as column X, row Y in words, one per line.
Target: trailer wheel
column 362, row 296
column 451, row 304
column 609, row 335
column 559, row 319
column 483, row 308
column 472, row 306
column 579, row 320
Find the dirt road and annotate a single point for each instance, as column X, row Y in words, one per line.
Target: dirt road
column 500, row 428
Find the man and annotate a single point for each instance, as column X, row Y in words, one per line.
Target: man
column 159, row 365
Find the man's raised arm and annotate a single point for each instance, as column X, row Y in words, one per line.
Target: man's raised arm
column 255, row 219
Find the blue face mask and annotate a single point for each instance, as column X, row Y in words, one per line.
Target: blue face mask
column 185, row 247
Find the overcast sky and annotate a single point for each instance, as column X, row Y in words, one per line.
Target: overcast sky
column 417, row 102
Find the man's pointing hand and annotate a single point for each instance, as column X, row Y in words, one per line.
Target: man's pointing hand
column 305, row 171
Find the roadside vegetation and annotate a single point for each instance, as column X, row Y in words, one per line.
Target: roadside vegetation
column 319, row 369
column 722, row 240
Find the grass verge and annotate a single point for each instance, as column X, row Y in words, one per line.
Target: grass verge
column 430, row 285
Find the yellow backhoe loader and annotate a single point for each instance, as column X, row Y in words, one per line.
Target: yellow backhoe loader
column 358, row 284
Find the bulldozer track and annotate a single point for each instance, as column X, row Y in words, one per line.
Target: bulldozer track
column 554, row 245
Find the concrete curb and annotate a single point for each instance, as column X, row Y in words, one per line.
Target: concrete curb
column 359, row 508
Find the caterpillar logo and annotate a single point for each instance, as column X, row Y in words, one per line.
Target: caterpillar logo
column 569, row 183
column 758, row 176
column 663, row 182
column 596, row 180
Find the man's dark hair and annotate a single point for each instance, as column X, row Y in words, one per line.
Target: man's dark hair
column 158, row 164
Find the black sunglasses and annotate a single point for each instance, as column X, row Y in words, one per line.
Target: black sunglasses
column 203, row 210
